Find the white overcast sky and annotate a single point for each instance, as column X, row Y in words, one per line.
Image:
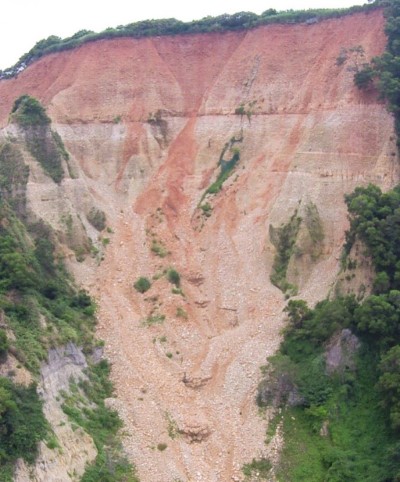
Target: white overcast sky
column 24, row 22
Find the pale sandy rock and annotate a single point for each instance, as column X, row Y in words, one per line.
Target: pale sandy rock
column 312, row 138
column 76, row 449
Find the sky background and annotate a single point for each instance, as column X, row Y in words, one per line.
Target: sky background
column 25, row 22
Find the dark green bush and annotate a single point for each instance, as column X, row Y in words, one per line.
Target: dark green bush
column 226, row 170
column 4, row 344
column 174, row 277
column 22, row 423
column 45, row 150
column 259, row 468
column 28, row 111
column 142, row 284
column 364, row 78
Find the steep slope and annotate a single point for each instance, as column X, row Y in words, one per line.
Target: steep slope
column 145, row 122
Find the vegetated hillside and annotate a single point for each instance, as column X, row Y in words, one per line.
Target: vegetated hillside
column 194, row 168
column 53, row 378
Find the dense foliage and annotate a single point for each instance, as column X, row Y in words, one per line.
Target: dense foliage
column 359, row 402
column 171, row 26
column 385, row 69
column 22, row 425
column 32, row 285
column 28, row 111
column 45, row 145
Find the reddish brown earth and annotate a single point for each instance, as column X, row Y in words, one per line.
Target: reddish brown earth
column 191, row 383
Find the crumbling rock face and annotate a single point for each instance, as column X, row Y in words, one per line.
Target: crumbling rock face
column 76, row 449
column 195, row 382
column 63, row 363
column 279, row 391
column 340, row 354
column 145, row 122
column 195, row 432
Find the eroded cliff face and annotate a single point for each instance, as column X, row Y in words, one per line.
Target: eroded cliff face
column 145, row 122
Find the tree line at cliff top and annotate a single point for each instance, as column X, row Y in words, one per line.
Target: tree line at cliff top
column 172, row 26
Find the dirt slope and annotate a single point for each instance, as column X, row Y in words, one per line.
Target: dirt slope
column 145, row 122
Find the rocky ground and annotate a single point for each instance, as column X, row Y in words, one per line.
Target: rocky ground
column 145, row 122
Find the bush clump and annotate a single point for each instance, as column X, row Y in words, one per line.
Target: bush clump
column 45, row 145
column 28, row 111
column 4, row 344
column 22, row 423
column 174, row 277
column 284, row 240
column 97, row 218
column 142, row 284
column 159, row 249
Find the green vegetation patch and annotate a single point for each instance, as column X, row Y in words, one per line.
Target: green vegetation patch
column 246, row 109
column 227, row 167
column 85, row 406
column 313, row 223
column 22, row 425
column 28, row 111
column 159, row 249
column 343, row 423
column 207, row 209
column 172, row 426
column 142, row 284
column 384, row 70
column 44, row 144
column 284, row 239
column 174, row 277
column 181, row 313
column 33, row 285
column 260, row 468
column 154, row 319
column 226, row 170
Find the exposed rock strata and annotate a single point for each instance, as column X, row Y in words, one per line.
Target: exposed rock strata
column 75, row 449
column 312, row 137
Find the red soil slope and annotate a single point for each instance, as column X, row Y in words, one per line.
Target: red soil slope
column 191, row 382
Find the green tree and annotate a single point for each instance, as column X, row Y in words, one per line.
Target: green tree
column 298, row 311
column 3, row 342
column 389, row 384
column 142, row 285
column 376, row 316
